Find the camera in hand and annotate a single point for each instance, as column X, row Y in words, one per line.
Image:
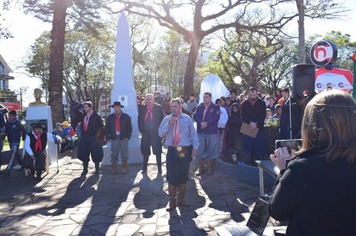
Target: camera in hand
column 290, row 144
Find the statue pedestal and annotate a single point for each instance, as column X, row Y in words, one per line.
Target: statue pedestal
column 43, row 115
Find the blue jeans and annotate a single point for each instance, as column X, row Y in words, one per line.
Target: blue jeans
column 178, row 165
column 255, row 145
column 71, row 141
column 14, row 154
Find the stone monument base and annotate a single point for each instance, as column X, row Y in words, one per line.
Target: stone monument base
column 43, row 115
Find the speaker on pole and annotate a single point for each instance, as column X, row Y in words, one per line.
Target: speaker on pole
column 303, row 80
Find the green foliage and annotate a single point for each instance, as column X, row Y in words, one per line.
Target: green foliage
column 163, row 65
column 81, row 15
column 39, row 59
column 277, row 68
column 88, row 65
column 4, row 32
column 247, row 55
column 345, row 47
column 22, row 115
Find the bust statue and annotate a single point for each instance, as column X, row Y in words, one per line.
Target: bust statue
column 37, row 95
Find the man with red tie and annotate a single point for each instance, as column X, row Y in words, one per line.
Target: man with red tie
column 118, row 131
column 180, row 135
column 149, row 119
column 91, row 122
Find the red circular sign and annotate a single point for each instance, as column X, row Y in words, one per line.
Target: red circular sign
column 323, row 53
column 354, row 57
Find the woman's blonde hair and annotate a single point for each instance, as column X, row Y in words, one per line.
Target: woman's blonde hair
column 329, row 124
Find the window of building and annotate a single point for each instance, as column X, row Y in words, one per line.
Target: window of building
column 2, row 84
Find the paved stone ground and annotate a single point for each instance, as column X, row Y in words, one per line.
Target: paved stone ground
column 65, row 203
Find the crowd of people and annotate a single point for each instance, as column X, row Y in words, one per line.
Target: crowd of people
column 302, row 193
column 231, row 113
column 252, row 109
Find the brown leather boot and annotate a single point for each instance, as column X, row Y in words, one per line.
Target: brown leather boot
column 211, row 166
column 181, row 194
column 124, row 167
column 172, row 198
column 113, row 168
column 201, row 167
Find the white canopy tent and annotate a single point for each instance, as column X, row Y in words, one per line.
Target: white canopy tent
column 213, row 84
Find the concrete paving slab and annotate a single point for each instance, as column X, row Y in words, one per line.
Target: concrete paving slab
column 130, row 204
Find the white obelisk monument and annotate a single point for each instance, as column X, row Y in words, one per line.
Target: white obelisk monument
column 124, row 89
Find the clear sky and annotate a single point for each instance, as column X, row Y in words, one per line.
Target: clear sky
column 26, row 29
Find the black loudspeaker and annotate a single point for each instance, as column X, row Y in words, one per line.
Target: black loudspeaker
column 303, row 80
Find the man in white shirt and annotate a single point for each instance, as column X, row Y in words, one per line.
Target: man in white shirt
column 35, row 149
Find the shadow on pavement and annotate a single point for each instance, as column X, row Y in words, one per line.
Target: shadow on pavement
column 227, row 196
column 111, row 191
column 78, row 191
column 150, row 195
column 183, row 223
column 17, row 185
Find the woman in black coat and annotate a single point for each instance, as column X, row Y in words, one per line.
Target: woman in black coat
column 316, row 191
column 234, row 125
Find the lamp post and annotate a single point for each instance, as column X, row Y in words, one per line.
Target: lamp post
column 237, row 80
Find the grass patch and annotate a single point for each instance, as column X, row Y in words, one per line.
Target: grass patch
column 7, row 147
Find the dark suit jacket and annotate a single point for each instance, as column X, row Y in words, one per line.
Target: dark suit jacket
column 157, row 114
column 95, row 122
column 125, row 126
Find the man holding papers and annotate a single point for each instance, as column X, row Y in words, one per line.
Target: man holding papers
column 253, row 115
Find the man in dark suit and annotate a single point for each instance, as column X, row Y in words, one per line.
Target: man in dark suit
column 149, row 120
column 118, row 131
column 91, row 122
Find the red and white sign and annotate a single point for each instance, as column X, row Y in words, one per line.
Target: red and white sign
column 323, row 53
column 12, row 106
column 336, row 78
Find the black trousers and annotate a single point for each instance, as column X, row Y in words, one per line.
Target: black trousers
column 88, row 145
column 151, row 138
column 40, row 161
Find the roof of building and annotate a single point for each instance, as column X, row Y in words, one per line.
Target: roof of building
column 3, row 62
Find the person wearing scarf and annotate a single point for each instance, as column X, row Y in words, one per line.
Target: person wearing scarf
column 149, row 120
column 207, row 117
column 35, row 149
column 181, row 137
column 118, row 131
column 91, row 122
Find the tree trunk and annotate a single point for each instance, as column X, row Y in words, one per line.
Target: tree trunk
column 190, row 70
column 55, row 86
column 301, row 32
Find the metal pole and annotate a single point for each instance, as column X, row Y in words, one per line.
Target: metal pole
column 354, row 83
column 21, row 97
column 290, row 114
